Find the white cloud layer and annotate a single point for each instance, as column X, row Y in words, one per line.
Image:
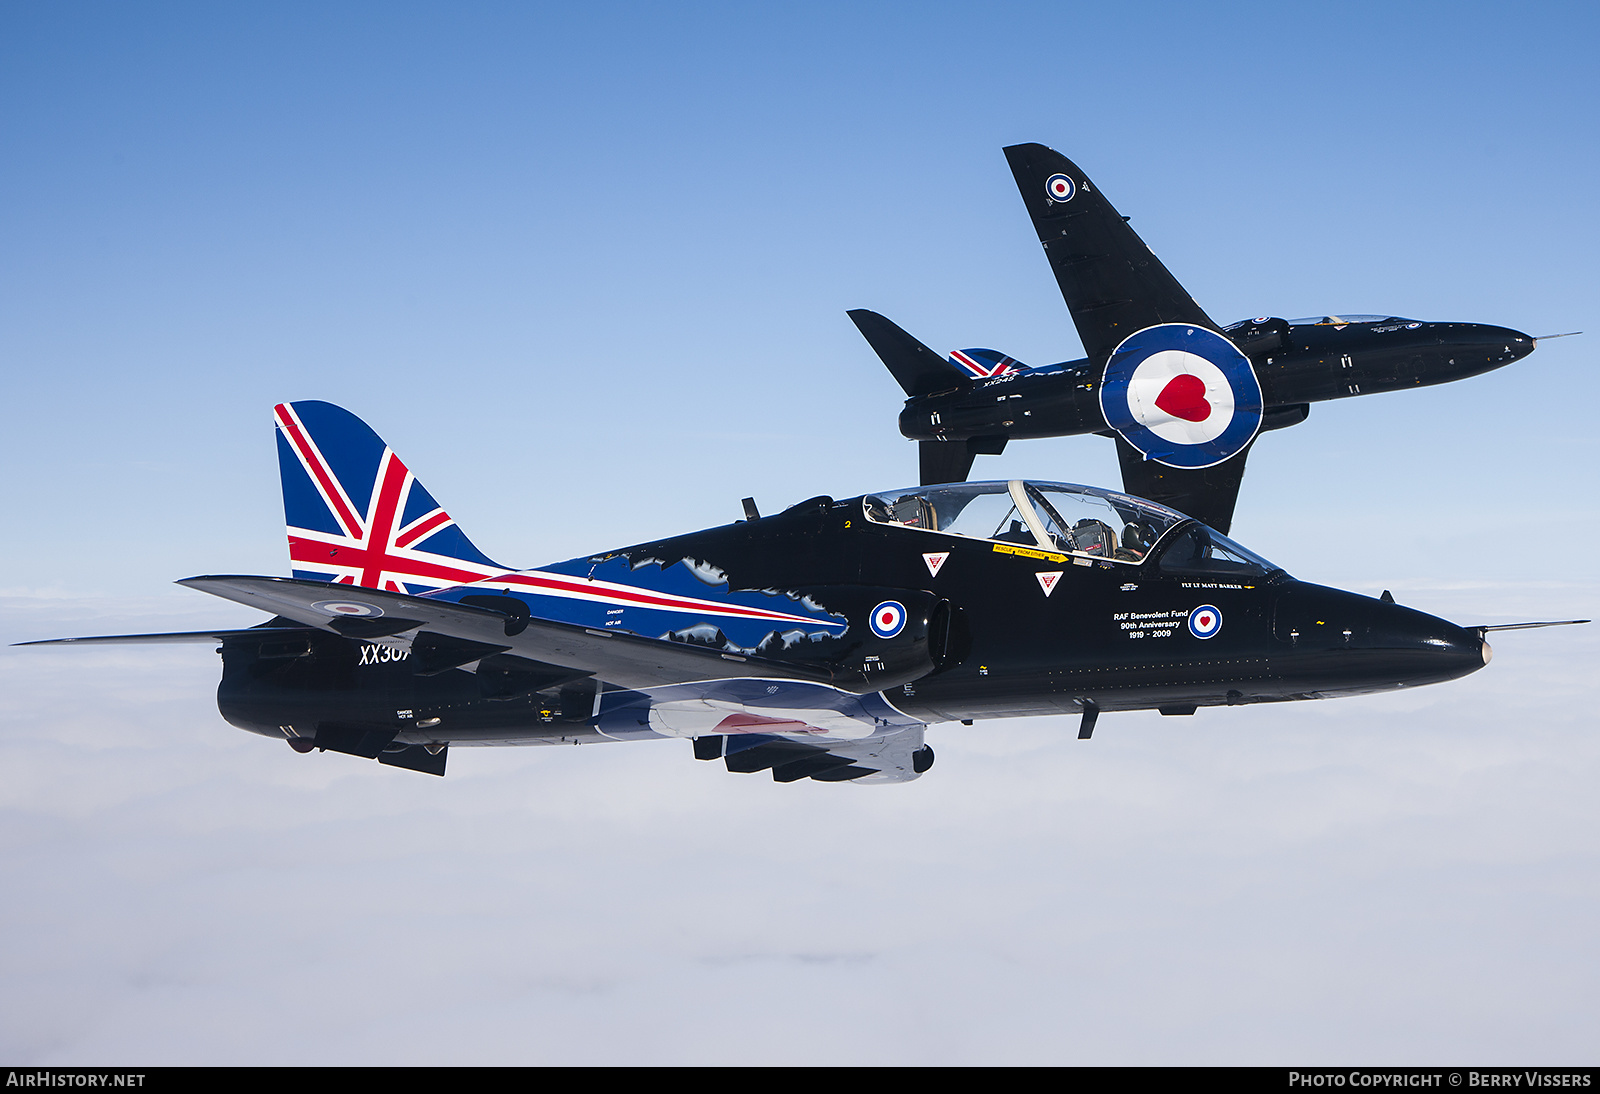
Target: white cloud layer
column 1400, row 879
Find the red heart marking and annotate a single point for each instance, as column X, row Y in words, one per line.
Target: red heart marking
column 1185, row 397
column 750, row 723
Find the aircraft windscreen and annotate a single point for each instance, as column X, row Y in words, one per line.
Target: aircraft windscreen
column 1345, row 320
column 1200, row 549
column 1061, row 517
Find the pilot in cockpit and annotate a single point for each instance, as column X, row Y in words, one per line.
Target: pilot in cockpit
column 1135, row 542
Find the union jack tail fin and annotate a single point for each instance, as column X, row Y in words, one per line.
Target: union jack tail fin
column 981, row 364
column 356, row 514
column 918, row 369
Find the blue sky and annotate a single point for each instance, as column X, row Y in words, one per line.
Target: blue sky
column 586, row 269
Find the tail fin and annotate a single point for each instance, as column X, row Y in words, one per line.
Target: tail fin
column 917, row 369
column 1112, row 282
column 356, row 515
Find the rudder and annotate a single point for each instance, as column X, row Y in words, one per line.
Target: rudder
column 356, row 515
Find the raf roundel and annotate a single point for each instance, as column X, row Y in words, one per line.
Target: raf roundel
column 351, row 608
column 1205, row 621
column 888, row 619
column 1060, row 188
column 1182, row 395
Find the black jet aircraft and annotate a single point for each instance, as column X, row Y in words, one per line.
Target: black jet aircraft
column 817, row 643
column 1183, row 397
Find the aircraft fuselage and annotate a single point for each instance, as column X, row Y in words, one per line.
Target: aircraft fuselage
column 1296, row 365
column 993, row 628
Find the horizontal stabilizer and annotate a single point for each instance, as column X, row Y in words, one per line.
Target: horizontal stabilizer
column 951, row 461
column 626, row 660
column 1529, row 626
column 917, row 369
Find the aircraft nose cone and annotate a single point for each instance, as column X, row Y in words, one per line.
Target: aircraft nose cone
column 1513, row 343
column 1497, row 345
column 1332, row 642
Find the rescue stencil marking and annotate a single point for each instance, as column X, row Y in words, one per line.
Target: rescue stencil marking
column 934, row 561
column 1047, row 581
column 1028, row 552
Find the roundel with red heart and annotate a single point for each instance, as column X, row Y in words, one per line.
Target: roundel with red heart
column 1182, row 395
column 1205, row 621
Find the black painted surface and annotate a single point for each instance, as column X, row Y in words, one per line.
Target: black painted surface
column 982, row 639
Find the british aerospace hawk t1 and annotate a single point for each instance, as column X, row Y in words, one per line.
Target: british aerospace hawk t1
column 815, row 643
column 1184, row 397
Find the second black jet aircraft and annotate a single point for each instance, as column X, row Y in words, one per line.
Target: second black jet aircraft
column 1184, row 398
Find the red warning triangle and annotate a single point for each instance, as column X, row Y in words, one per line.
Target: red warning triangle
column 935, row 561
column 1047, row 581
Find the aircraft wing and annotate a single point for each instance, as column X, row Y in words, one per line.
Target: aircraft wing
column 1113, row 284
column 167, row 638
column 624, row 660
column 1207, row 494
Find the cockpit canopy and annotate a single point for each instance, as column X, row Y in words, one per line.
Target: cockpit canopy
column 1346, row 320
column 1065, row 519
